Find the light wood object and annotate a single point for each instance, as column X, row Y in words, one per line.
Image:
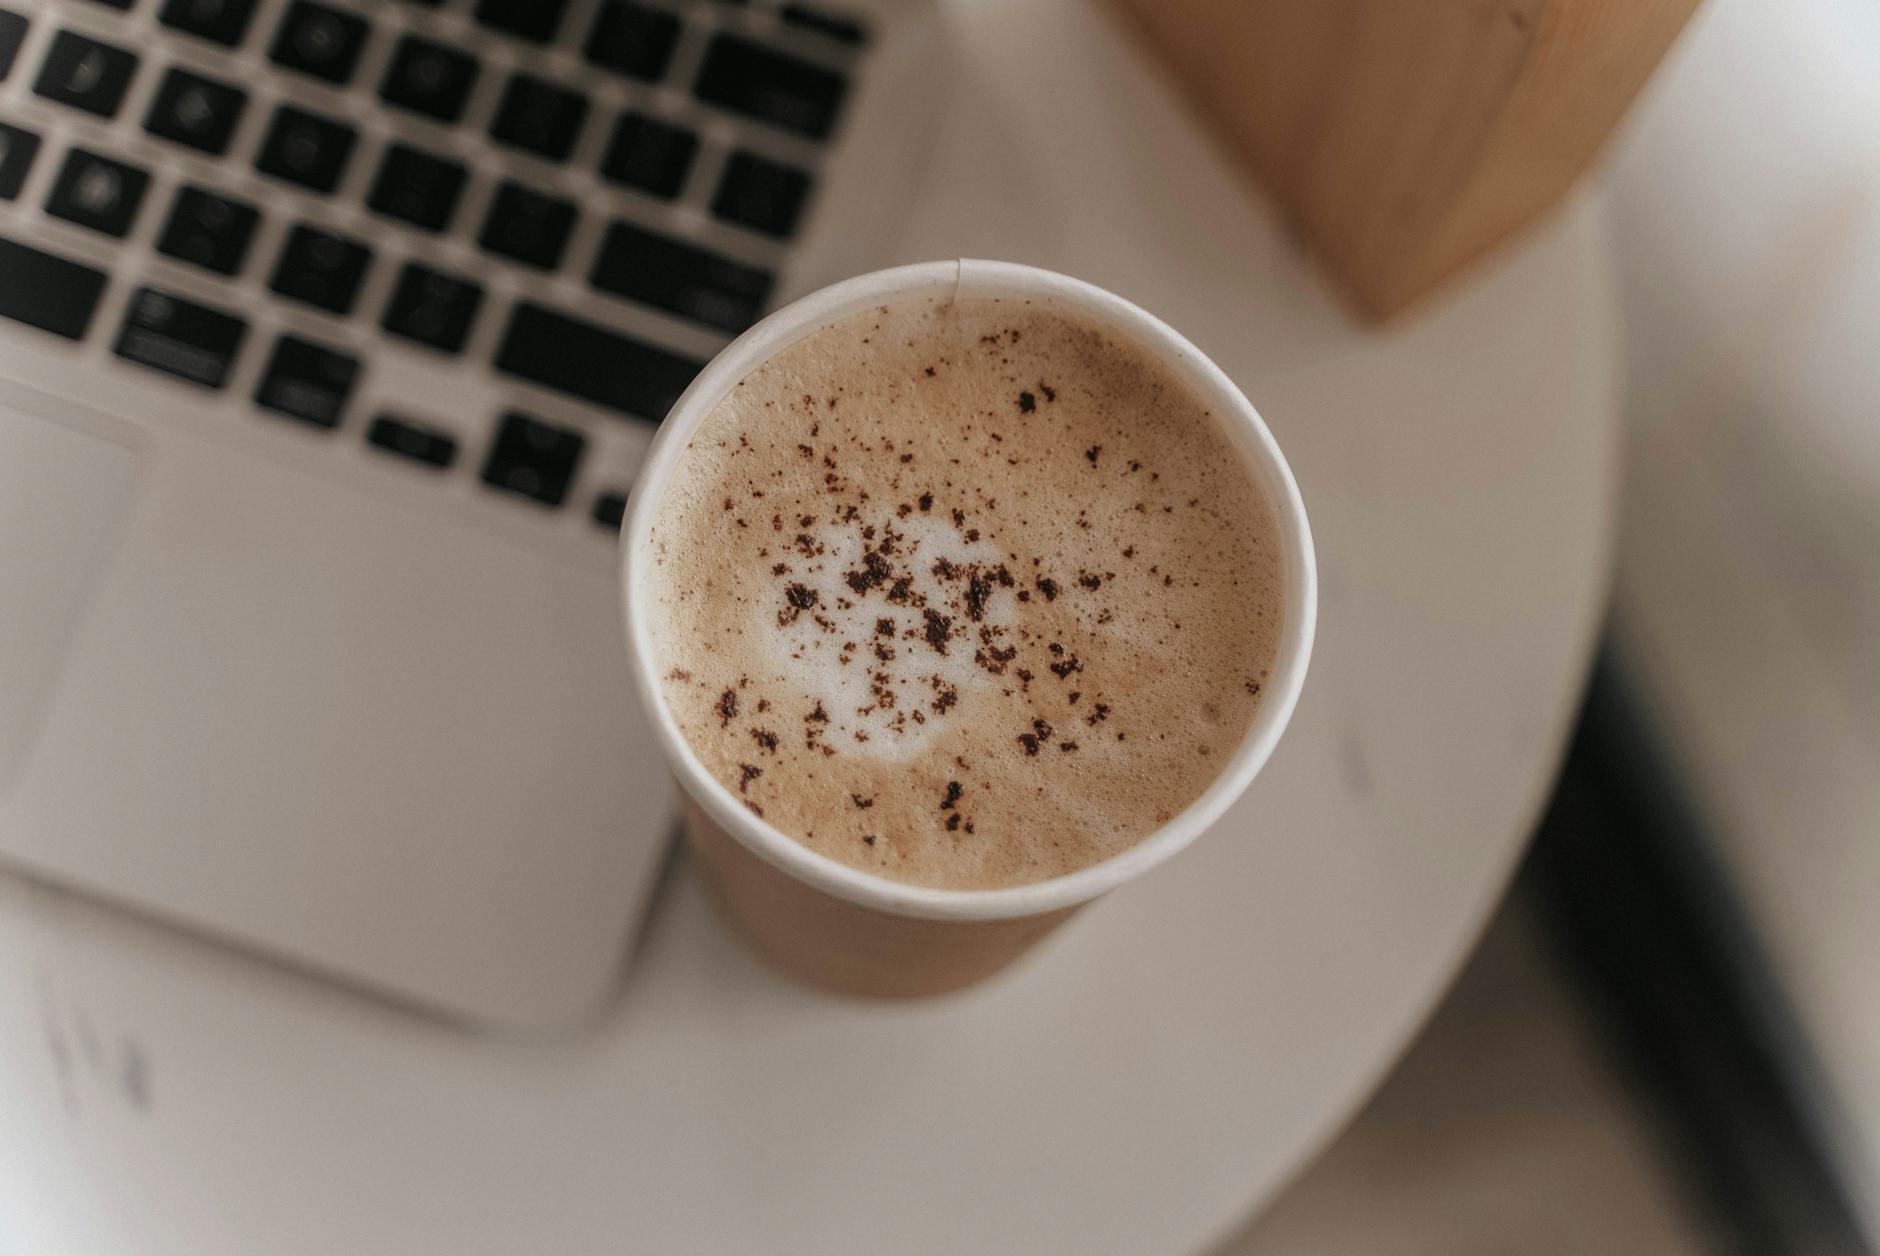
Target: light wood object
column 1406, row 137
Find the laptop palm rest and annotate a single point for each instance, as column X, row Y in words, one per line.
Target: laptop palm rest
column 309, row 717
column 63, row 494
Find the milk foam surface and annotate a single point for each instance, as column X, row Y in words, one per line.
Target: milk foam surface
column 964, row 593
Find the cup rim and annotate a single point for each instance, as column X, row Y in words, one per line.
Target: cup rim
column 974, row 278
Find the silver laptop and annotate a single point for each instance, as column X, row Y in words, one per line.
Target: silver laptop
column 331, row 335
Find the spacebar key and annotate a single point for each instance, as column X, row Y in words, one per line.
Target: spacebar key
column 592, row 362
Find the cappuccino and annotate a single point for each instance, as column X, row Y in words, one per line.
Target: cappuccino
column 965, row 593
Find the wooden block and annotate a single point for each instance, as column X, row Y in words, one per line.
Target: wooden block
column 1405, row 137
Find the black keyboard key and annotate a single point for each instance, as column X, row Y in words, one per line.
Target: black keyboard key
column 681, row 278
column 46, row 291
column 18, row 147
column 222, row 22
column 528, row 226
column 416, row 441
column 432, row 308
column 761, row 194
column 428, row 78
column 649, row 155
column 831, row 25
column 307, row 381
column 12, row 35
column 318, row 41
column 592, row 362
column 196, row 111
column 609, row 509
column 771, row 86
column 86, row 74
column 533, row 20
column 208, row 230
column 539, row 117
column 193, row 342
column 306, row 148
column 633, row 39
column 533, row 459
column 321, row 269
column 417, row 187
column 97, row 192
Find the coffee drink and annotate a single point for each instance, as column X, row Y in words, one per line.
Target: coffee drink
column 964, row 593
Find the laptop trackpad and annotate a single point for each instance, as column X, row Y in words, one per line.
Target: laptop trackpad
column 62, row 496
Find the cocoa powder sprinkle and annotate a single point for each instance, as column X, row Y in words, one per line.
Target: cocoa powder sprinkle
column 875, row 572
column 938, row 628
column 978, row 592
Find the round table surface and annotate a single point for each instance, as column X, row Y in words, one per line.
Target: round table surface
column 1162, row 1064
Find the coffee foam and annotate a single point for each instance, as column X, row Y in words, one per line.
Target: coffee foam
column 963, row 593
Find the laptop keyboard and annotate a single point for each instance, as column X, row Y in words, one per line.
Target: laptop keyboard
column 747, row 96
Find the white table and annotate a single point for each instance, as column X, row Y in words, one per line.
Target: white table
column 1166, row 1060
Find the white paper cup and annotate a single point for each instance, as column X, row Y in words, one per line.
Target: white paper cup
column 836, row 926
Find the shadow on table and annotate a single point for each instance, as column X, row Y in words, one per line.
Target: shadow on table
column 1605, row 1076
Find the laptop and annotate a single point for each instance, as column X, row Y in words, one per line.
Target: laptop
column 331, row 336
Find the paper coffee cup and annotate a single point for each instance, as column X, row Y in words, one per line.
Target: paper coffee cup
column 839, row 927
